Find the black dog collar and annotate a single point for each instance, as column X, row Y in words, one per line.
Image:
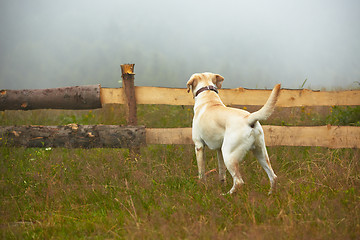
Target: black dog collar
column 211, row 88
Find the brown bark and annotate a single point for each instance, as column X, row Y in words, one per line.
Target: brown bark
column 127, row 71
column 73, row 136
column 79, row 97
column 128, row 74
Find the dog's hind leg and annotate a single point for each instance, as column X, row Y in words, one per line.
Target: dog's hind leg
column 263, row 158
column 233, row 167
column 222, row 167
column 231, row 160
column 200, row 158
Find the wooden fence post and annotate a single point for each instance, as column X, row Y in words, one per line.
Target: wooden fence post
column 128, row 76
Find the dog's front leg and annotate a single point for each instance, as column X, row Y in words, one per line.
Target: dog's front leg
column 199, row 150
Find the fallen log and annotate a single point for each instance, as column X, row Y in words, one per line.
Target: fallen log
column 78, row 97
column 73, row 136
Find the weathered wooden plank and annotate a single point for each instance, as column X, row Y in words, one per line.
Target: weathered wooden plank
column 237, row 96
column 323, row 136
column 291, row 98
column 73, row 136
column 158, row 95
column 112, row 96
column 168, row 136
column 78, row 97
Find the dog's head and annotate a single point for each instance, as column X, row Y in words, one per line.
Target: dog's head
column 199, row 80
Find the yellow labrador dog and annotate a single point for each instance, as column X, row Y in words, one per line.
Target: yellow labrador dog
column 232, row 132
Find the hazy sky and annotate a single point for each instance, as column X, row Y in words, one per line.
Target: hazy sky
column 253, row 44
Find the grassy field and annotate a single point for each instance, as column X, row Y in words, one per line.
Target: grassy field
column 102, row 194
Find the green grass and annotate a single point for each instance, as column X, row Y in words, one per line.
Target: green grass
column 160, row 116
column 103, row 194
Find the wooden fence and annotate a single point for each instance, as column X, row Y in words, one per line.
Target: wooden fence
column 132, row 136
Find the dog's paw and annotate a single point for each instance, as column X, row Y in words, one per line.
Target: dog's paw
column 271, row 191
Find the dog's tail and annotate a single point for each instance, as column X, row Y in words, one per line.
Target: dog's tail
column 267, row 109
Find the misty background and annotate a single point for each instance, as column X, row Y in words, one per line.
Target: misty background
column 253, row 44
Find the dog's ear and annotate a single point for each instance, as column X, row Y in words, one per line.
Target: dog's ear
column 218, row 80
column 191, row 83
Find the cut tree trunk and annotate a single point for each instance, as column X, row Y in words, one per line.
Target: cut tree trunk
column 78, row 97
column 128, row 76
column 73, row 136
column 129, row 89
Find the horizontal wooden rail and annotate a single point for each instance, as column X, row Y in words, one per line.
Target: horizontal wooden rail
column 96, row 136
column 323, row 136
column 237, row 96
column 90, row 97
column 168, row 136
